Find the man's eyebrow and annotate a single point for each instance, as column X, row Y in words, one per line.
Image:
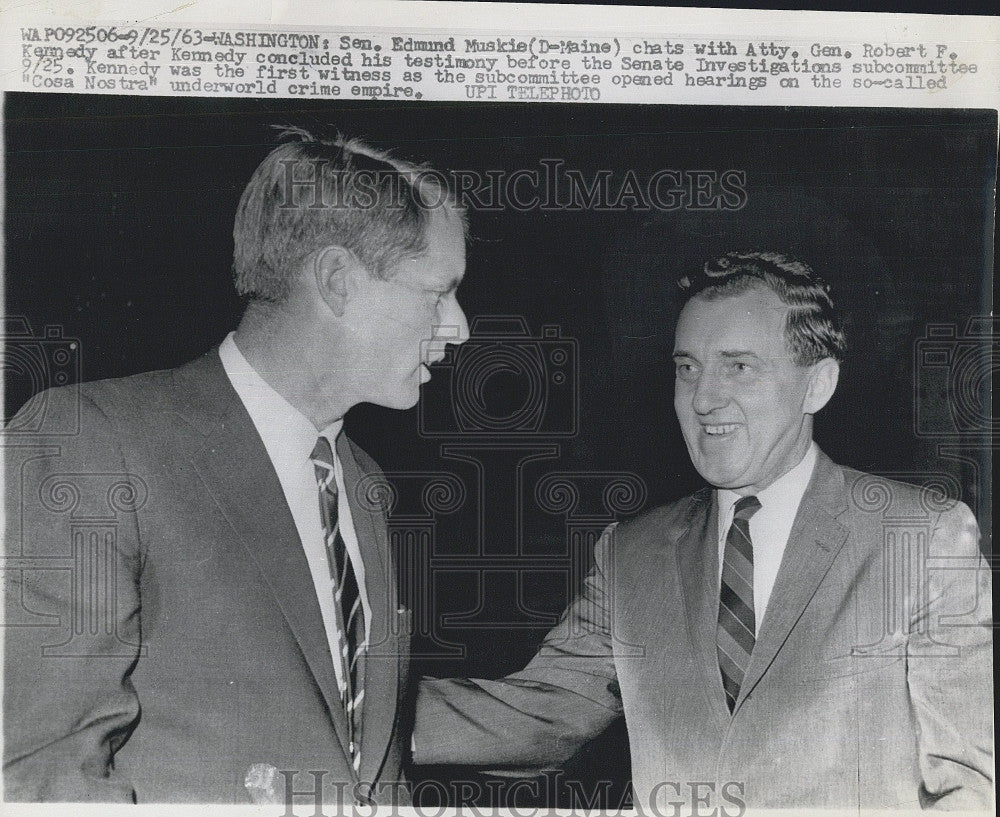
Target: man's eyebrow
column 728, row 354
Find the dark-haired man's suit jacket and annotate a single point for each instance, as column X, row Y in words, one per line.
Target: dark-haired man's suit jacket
column 867, row 687
column 163, row 633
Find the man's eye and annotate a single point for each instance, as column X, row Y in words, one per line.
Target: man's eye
column 739, row 366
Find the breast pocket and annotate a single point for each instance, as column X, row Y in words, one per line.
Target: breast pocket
column 845, row 660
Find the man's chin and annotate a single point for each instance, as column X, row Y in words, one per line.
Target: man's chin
column 721, row 475
column 408, row 402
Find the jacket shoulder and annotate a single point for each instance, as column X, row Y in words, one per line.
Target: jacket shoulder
column 67, row 410
column 887, row 495
column 82, row 408
column 662, row 525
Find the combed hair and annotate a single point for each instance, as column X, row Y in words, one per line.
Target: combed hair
column 813, row 330
column 312, row 192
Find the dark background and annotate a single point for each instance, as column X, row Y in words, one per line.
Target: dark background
column 118, row 227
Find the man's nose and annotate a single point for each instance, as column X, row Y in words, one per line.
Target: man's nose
column 454, row 326
column 709, row 393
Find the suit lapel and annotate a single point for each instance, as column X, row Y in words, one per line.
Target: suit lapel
column 698, row 560
column 814, row 542
column 237, row 473
column 382, row 662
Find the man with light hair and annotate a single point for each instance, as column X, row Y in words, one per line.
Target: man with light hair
column 238, row 638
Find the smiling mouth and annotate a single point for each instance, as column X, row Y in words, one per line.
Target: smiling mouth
column 720, row 429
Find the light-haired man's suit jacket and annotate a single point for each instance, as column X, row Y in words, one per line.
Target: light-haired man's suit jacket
column 870, row 685
column 163, row 633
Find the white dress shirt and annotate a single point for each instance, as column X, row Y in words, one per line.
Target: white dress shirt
column 289, row 438
column 770, row 526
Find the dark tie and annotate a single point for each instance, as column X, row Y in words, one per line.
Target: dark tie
column 737, row 623
column 350, row 614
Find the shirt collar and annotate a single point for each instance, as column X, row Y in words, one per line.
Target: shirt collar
column 781, row 496
column 288, row 435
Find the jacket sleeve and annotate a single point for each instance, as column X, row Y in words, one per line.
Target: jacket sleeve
column 539, row 717
column 950, row 669
column 72, row 611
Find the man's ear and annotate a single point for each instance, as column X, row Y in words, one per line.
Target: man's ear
column 332, row 267
column 822, row 384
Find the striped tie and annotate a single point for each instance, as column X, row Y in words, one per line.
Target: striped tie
column 350, row 614
column 737, row 623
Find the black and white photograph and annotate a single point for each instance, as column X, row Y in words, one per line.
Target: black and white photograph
column 485, row 454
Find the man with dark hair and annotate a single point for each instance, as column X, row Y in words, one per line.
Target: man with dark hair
column 796, row 635
column 235, row 635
